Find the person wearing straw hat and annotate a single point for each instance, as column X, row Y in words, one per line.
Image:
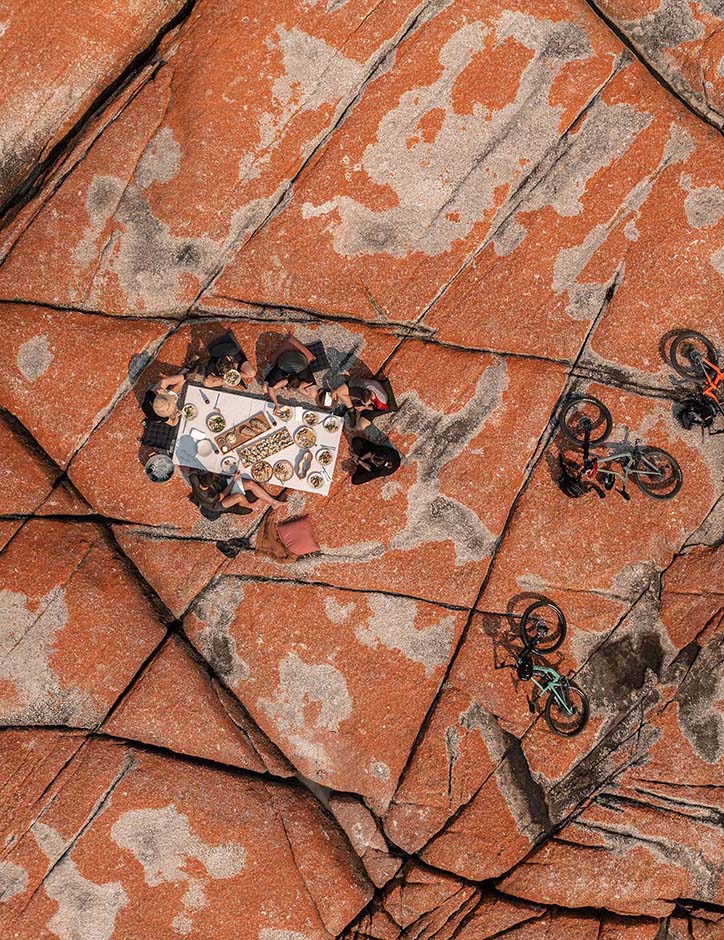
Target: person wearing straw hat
column 166, row 394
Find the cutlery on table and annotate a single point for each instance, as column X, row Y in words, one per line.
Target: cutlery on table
column 206, row 400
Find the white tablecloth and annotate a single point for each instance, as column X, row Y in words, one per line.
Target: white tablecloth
column 237, row 407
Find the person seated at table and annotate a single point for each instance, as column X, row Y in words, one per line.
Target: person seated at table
column 209, row 491
column 372, row 460
column 291, row 370
column 225, row 355
column 166, row 394
column 365, row 398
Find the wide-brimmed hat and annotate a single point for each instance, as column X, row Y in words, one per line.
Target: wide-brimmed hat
column 164, row 404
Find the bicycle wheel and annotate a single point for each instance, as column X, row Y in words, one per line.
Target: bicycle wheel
column 687, row 349
column 543, row 627
column 571, row 720
column 662, row 483
column 579, row 413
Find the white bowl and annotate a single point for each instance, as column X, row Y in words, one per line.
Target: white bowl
column 204, row 448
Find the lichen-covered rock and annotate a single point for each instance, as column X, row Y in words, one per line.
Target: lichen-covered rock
column 57, row 59
column 76, row 625
column 125, row 842
column 682, row 42
column 309, row 685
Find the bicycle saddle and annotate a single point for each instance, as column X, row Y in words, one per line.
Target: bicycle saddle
column 525, row 668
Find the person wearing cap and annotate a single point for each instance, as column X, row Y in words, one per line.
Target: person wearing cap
column 166, row 394
column 291, row 370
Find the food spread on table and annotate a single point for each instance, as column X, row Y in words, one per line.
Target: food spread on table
column 244, row 431
column 252, row 443
column 265, row 447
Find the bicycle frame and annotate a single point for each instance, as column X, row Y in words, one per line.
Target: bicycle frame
column 627, row 460
column 714, row 378
column 555, row 686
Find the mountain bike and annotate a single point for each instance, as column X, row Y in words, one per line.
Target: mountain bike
column 586, row 423
column 543, row 629
column 694, row 356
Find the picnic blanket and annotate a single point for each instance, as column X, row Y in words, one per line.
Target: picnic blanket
column 268, row 541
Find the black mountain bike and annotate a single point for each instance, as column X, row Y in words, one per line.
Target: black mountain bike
column 586, row 423
column 543, row 629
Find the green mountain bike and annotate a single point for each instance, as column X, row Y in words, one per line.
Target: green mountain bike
column 543, row 629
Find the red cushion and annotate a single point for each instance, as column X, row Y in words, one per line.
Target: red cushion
column 297, row 536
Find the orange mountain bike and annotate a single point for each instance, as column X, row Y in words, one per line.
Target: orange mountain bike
column 694, row 356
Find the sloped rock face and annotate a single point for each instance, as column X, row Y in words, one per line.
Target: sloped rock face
column 682, row 42
column 495, row 205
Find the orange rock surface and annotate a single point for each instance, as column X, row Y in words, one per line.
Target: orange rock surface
column 495, row 206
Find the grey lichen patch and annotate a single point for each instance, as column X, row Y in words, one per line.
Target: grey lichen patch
column 216, row 608
column 607, row 133
column 392, row 625
column 302, row 684
column 704, row 207
column 85, row 909
column 336, row 611
column 439, row 438
column 164, row 843
column 717, row 261
column 673, row 22
column 13, row 880
column 104, row 194
column 585, row 299
column 160, row 161
column 26, row 645
column 446, row 185
column 148, row 261
column 272, row 933
column 314, row 75
column 34, row 357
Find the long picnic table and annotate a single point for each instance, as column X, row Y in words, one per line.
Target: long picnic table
column 237, row 407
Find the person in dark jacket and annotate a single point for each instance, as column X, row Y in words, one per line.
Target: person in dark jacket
column 372, row 460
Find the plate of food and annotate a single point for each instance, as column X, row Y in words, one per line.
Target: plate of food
column 229, row 464
column 331, row 423
column 285, row 412
column 316, row 480
column 311, row 418
column 190, row 411
column 261, row 471
column 232, row 377
column 283, row 470
column 305, row 437
column 324, row 456
column 215, row 422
